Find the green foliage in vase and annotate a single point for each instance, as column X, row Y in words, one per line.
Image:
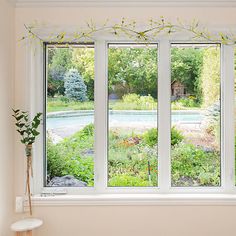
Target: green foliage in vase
column 28, row 129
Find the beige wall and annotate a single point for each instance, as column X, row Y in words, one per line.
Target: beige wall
column 6, row 127
column 137, row 221
column 119, row 220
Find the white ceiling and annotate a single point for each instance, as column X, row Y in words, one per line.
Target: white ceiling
column 177, row 3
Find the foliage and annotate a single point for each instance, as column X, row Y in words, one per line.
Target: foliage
column 210, row 76
column 150, row 137
column 127, row 180
column 133, row 101
column 176, row 136
column 59, row 62
column 83, row 61
column 55, row 160
column 186, row 64
column 193, row 166
column 185, row 103
column 75, row 88
column 131, row 29
column 132, row 70
column 55, row 87
column 212, row 121
column 28, row 129
column 72, row 156
column 128, row 160
column 130, row 98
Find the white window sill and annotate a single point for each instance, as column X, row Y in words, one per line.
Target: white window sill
column 136, row 199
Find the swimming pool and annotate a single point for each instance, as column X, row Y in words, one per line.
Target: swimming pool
column 116, row 118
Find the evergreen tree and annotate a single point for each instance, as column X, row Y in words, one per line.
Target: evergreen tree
column 75, row 87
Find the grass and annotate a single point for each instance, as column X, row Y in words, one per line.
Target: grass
column 60, row 104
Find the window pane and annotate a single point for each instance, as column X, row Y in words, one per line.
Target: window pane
column 132, row 132
column 195, row 115
column 70, row 116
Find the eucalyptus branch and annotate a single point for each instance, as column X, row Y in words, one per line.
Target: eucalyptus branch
column 28, row 129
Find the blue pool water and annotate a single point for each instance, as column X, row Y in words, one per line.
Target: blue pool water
column 82, row 118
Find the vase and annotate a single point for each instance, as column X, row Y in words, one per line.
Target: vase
column 29, row 173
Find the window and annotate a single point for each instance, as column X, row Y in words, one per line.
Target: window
column 195, row 115
column 70, row 115
column 132, row 102
column 138, row 117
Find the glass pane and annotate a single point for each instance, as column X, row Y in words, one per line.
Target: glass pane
column 132, row 89
column 195, row 115
column 70, row 116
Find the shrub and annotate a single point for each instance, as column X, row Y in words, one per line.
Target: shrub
column 212, row 121
column 150, row 137
column 130, row 98
column 188, row 102
column 185, row 103
column 75, row 87
column 55, row 161
column 147, row 102
column 70, row 157
column 134, row 101
column 176, row 136
column 88, row 130
column 127, row 180
column 193, row 166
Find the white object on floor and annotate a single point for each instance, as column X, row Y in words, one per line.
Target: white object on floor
column 26, row 225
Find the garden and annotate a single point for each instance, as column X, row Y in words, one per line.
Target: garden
column 132, row 120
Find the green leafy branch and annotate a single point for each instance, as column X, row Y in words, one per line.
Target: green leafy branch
column 25, row 127
column 129, row 28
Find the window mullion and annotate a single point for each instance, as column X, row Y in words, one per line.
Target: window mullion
column 100, row 117
column 164, row 81
column 227, row 117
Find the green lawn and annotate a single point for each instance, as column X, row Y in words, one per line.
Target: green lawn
column 62, row 104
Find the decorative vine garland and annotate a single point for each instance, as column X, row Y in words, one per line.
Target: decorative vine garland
column 129, row 28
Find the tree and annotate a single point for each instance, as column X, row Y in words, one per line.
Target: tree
column 210, row 76
column 75, row 88
column 59, row 61
column 83, row 61
column 186, row 65
column 133, row 70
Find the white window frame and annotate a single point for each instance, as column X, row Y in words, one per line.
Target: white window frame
column 36, row 73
